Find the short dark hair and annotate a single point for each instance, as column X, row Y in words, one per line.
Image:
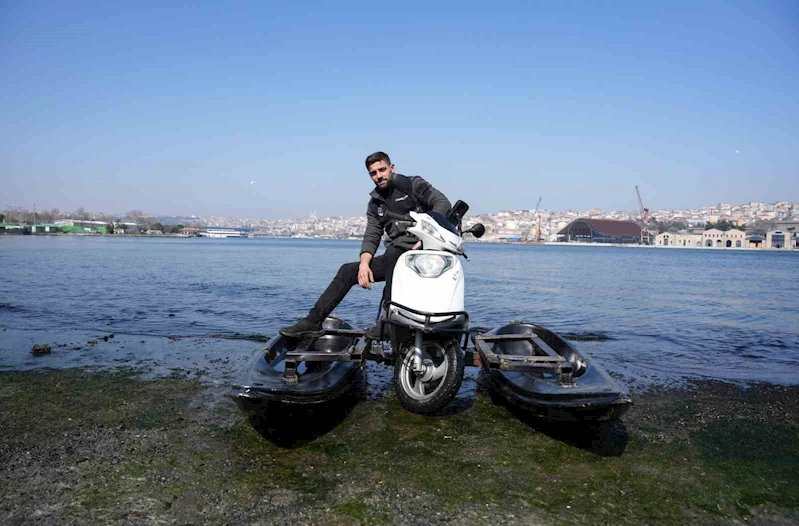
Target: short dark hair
column 376, row 158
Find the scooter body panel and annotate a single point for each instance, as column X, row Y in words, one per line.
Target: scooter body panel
column 440, row 294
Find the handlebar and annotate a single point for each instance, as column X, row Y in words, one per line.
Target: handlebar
column 399, row 217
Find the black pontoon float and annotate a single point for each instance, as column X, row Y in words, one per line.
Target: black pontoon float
column 530, row 366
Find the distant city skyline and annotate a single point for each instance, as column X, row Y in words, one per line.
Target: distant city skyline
column 508, row 225
column 269, row 110
column 633, row 207
column 720, row 207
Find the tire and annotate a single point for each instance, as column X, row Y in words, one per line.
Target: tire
column 443, row 389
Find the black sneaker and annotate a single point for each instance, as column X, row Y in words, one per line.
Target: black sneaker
column 303, row 329
column 375, row 333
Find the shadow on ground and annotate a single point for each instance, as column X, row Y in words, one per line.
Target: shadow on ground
column 606, row 439
column 293, row 426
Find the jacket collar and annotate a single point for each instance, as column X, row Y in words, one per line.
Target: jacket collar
column 380, row 197
column 377, row 195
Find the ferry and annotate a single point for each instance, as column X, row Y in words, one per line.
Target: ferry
column 223, row 232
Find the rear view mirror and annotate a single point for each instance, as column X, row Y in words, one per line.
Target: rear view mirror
column 477, row 230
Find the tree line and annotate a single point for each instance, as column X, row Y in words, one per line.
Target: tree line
column 144, row 221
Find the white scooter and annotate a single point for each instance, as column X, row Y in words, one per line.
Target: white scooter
column 426, row 316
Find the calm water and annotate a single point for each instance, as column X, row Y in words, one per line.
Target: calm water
column 659, row 313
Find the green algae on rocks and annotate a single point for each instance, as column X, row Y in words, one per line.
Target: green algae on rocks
column 90, row 447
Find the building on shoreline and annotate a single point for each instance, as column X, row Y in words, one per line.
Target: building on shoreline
column 755, row 241
column 7, row 228
column 601, row 231
column 48, row 228
column 712, row 238
column 87, row 226
column 784, row 235
column 724, row 239
column 679, row 239
column 190, row 231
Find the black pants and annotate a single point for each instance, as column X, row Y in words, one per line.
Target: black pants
column 383, row 269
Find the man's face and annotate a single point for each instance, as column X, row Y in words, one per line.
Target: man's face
column 380, row 172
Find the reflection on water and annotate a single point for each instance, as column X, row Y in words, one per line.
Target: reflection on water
column 645, row 314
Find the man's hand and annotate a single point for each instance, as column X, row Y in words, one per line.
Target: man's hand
column 365, row 276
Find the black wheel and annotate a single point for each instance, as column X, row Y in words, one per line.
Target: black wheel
column 430, row 391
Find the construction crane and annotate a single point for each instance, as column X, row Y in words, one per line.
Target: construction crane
column 644, row 219
column 526, row 233
column 536, row 214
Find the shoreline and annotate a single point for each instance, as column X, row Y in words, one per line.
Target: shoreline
column 488, row 242
column 176, row 450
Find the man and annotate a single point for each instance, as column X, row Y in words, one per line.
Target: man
column 393, row 192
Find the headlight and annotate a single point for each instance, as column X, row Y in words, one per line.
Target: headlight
column 429, row 265
column 431, row 230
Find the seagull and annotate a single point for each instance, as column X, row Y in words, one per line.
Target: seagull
column 253, row 182
column 737, row 152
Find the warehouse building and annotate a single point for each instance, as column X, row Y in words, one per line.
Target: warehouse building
column 601, row 231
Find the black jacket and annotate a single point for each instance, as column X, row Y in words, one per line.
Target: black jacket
column 404, row 194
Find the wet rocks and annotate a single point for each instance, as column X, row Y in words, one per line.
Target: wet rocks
column 41, row 349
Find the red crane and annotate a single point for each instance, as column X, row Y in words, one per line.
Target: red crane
column 644, row 219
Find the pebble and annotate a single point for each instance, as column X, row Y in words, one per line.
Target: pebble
column 40, row 349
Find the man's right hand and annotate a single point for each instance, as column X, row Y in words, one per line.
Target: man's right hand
column 365, row 276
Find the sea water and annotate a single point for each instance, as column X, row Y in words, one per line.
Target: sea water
column 643, row 313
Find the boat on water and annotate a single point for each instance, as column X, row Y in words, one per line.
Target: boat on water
column 223, row 232
column 538, row 371
column 296, row 372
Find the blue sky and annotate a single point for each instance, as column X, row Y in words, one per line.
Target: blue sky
column 119, row 106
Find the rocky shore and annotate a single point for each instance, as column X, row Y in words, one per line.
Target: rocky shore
column 80, row 447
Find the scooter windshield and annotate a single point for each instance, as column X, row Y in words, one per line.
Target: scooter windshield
column 443, row 221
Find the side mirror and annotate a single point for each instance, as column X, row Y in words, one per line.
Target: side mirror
column 456, row 213
column 477, row 230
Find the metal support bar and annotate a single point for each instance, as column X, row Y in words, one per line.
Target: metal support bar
column 554, row 368
column 345, row 332
column 537, row 343
column 531, row 359
column 542, row 345
column 374, row 351
column 544, row 359
column 300, row 353
column 472, row 359
column 290, row 373
column 320, row 356
column 505, row 337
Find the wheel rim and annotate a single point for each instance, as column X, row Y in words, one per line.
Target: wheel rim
column 424, row 387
